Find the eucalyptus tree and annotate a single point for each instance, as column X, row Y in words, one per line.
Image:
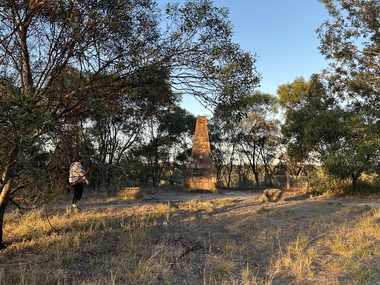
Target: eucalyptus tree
column 161, row 153
column 311, row 120
column 319, row 128
column 218, row 147
column 249, row 137
column 115, row 129
column 62, row 61
column 224, row 143
column 350, row 40
column 41, row 43
column 178, row 126
column 355, row 153
column 258, row 135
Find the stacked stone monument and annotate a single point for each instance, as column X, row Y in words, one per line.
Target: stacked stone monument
column 201, row 172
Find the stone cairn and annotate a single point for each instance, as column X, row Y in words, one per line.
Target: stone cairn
column 201, row 172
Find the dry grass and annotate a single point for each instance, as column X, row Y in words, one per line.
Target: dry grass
column 224, row 241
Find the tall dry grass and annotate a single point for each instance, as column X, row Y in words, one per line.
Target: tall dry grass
column 224, row 241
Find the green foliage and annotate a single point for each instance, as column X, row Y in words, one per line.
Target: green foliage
column 326, row 183
column 291, row 95
column 165, row 150
column 177, row 122
column 317, row 127
column 350, row 40
column 150, row 91
column 311, row 120
column 259, row 135
column 250, row 140
column 365, row 187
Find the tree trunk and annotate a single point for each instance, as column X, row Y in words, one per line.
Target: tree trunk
column 4, row 197
column 257, row 178
column 229, row 178
column 354, row 179
column 8, row 176
column 268, row 175
column 254, row 167
column 230, row 168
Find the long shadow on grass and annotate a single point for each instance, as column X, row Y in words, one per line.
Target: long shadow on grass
column 202, row 239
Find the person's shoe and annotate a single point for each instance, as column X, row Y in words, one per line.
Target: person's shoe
column 74, row 208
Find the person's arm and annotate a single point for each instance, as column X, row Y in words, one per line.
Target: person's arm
column 84, row 177
column 83, row 174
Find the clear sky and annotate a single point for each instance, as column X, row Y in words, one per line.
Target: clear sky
column 281, row 33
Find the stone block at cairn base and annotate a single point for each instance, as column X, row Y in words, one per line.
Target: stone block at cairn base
column 201, row 173
column 272, row 195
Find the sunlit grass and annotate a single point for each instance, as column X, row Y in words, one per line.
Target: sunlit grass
column 348, row 251
column 195, row 242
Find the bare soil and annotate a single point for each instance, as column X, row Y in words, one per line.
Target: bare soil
column 249, row 198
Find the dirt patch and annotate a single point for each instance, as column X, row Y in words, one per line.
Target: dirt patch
column 152, row 196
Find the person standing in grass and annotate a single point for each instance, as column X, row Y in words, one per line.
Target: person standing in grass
column 76, row 179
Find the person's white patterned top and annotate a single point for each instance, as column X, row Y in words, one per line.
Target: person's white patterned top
column 77, row 173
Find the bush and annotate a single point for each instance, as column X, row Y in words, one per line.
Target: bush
column 324, row 184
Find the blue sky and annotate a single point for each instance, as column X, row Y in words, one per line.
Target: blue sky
column 281, row 33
